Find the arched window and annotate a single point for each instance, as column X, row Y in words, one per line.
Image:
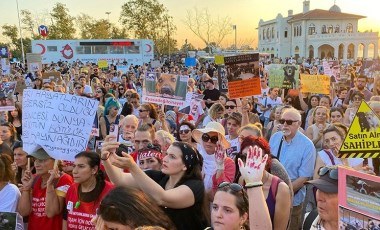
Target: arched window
column 324, row 30
column 350, row 28
column 268, row 36
column 330, row 29
column 311, row 29
column 272, row 32
column 337, row 29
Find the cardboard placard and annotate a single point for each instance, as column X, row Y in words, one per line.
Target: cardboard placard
column 7, row 90
column 34, row 62
column 190, row 62
column 60, row 123
column 244, row 88
column 219, row 60
column 319, row 84
column 167, row 89
column 283, row 76
column 51, row 76
column 102, row 64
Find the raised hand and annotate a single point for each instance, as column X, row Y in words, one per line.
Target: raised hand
column 253, row 169
column 124, row 162
column 109, row 146
column 220, row 155
column 27, row 180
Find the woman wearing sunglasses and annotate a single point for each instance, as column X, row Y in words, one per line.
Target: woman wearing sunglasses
column 276, row 191
column 356, row 99
column 217, row 167
column 184, row 133
column 321, row 117
column 333, row 137
column 233, row 208
column 177, row 188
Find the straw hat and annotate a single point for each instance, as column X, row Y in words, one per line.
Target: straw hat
column 212, row 127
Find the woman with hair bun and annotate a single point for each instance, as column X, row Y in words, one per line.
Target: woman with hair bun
column 85, row 195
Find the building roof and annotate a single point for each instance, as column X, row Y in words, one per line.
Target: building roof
column 323, row 14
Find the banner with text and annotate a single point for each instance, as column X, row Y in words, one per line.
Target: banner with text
column 359, row 200
column 283, row 76
column 167, row 89
column 242, row 73
column 60, row 123
column 319, row 84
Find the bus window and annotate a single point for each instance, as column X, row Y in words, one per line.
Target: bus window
column 116, row 49
column 100, row 50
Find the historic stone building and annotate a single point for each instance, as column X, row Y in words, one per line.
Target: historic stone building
column 316, row 33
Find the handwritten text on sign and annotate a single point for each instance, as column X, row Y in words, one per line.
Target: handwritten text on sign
column 319, row 84
column 244, row 88
column 61, row 123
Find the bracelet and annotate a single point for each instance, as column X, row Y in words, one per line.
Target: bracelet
column 254, row 185
column 25, row 190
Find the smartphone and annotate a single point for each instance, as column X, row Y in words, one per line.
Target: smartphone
column 114, row 130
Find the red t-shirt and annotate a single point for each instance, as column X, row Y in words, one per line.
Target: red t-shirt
column 37, row 218
column 80, row 218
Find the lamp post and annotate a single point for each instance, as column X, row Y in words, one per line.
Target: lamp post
column 234, row 28
column 108, row 16
column 22, row 43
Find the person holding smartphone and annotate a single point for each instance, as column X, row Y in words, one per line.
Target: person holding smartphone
column 268, row 103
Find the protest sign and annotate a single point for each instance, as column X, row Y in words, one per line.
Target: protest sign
column 34, row 62
column 358, row 199
column 219, row 60
column 167, row 89
column 155, row 64
column 102, row 64
column 193, row 105
column 122, row 68
column 4, row 52
column 283, row 76
column 190, row 61
column 11, row 221
column 7, row 90
column 242, row 72
column 319, row 84
column 363, row 137
column 51, row 76
column 60, row 123
column 222, row 79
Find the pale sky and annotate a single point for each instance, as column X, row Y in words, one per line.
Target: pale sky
column 245, row 14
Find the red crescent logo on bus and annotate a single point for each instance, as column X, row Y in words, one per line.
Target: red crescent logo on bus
column 67, row 52
column 149, row 48
column 42, row 47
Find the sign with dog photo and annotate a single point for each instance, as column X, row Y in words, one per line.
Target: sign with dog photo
column 242, row 72
column 283, row 76
column 167, row 89
column 358, row 199
column 362, row 140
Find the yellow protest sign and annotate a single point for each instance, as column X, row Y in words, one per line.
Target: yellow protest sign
column 102, row 64
column 363, row 138
column 219, row 60
column 319, row 84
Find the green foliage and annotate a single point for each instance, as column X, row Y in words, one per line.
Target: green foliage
column 14, row 44
column 148, row 19
column 62, row 26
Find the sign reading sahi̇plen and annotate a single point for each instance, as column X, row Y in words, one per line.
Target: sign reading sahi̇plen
column 60, row 123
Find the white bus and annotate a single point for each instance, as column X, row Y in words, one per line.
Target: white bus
column 134, row 51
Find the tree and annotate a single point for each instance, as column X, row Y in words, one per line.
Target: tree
column 62, row 26
column 148, row 19
column 207, row 29
column 98, row 29
column 14, row 43
column 29, row 25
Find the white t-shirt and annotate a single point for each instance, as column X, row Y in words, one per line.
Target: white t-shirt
column 235, row 147
column 269, row 101
column 9, row 197
column 87, row 89
column 326, row 159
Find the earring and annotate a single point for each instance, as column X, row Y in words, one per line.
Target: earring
column 242, row 227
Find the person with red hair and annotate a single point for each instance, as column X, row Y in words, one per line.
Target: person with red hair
column 277, row 192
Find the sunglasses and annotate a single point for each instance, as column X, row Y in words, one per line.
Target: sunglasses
column 288, row 122
column 77, row 87
column 141, row 110
column 333, row 172
column 233, row 186
column 230, row 106
column 185, row 131
column 121, row 88
column 99, row 91
column 206, row 138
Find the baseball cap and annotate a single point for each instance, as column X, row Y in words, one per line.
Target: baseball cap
column 328, row 181
column 40, row 154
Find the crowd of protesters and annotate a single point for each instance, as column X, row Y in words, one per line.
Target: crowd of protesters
column 241, row 164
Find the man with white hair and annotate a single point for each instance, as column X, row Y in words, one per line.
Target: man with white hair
column 297, row 153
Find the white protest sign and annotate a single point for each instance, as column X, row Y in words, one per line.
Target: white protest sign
column 155, row 64
column 122, row 68
column 60, row 123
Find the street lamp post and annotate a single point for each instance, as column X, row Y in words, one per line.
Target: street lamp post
column 22, row 43
column 234, row 28
column 108, row 16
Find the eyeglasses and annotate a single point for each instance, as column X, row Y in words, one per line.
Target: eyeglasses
column 230, row 106
column 141, row 110
column 233, row 186
column 288, row 122
column 185, row 131
column 356, row 98
column 121, row 88
column 333, row 172
column 78, row 87
column 206, row 138
column 127, row 95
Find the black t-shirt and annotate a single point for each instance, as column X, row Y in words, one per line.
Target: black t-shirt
column 213, row 94
column 186, row 218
